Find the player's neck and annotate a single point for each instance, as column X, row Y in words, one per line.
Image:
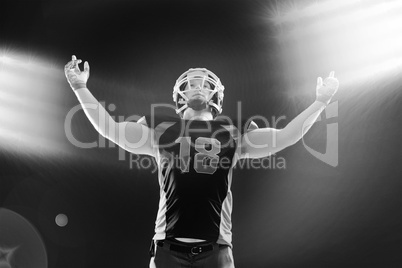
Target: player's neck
column 204, row 115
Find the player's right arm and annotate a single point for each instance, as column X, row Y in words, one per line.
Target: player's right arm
column 131, row 136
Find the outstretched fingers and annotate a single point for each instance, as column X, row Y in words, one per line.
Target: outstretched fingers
column 332, row 74
column 75, row 77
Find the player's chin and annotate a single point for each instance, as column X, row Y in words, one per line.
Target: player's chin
column 198, row 99
column 197, row 103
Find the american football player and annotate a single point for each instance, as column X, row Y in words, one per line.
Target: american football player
column 196, row 153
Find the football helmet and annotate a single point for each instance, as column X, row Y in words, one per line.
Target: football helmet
column 213, row 100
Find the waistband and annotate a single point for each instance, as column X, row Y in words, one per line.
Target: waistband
column 193, row 248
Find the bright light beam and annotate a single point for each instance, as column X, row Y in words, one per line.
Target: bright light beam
column 359, row 17
column 293, row 14
column 29, row 106
column 364, row 37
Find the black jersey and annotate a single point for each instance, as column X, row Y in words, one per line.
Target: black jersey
column 195, row 160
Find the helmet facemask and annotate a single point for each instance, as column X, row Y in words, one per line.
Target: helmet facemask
column 214, row 99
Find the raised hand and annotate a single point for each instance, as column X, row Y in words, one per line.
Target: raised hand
column 75, row 77
column 326, row 89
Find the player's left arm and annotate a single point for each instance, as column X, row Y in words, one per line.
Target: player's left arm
column 266, row 141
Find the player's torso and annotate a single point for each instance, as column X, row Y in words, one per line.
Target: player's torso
column 195, row 158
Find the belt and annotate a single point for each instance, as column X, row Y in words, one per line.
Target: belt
column 195, row 250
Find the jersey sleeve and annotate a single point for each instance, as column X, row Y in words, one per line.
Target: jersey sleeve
column 142, row 121
column 251, row 126
column 244, row 126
